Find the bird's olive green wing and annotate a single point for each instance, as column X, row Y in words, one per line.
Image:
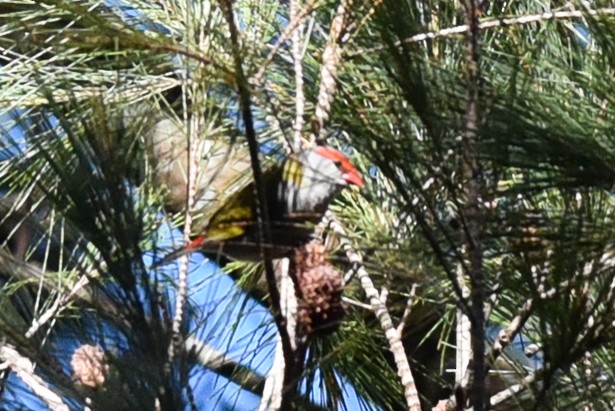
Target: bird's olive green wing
column 236, row 215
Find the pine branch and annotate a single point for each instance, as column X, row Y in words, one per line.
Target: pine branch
column 112, row 94
column 331, row 57
column 262, row 214
column 472, row 216
column 463, row 336
column 298, row 64
column 355, row 27
column 24, row 368
column 221, row 363
column 378, row 306
column 505, row 337
column 517, row 388
column 412, row 205
column 293, row 25
column 407, row 311
column 490, row 24
column 60, row 304
column 278, row 379
column 194, row 131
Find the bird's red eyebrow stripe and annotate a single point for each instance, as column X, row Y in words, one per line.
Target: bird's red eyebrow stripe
column 335, row 155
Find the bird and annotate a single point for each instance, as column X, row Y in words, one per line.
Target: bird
column 298, row 192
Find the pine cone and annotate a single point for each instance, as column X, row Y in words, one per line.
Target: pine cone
column 89, row 365
column 321, row 287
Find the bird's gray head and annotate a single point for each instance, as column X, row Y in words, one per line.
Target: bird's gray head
column 313, row 178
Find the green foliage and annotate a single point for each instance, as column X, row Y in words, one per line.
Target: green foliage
column 85, row 188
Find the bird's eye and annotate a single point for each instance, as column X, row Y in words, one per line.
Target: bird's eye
column 338, row 163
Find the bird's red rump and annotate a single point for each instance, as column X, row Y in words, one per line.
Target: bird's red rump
column 196, row 243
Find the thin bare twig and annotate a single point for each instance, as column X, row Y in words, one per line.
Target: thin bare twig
column 112, row 95
column 292, row 26
column 271, row 400
column 490, row 24
column 505, row 337
column 515, row 389
column 508, row 334
column 298, row 63
column 261, row 209
column 463, row 339
column 187, row 53
column 356, row 303
column 193, row 131
column 424, row 225
column 193, row 125
column 328, row 73
column 273, row 392
column 356, row 26
column 408, row 310
column 386, row 322
column 223, row 364
column 59, row 304
column 472, row 212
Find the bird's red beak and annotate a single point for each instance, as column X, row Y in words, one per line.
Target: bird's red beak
column 353, row 177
